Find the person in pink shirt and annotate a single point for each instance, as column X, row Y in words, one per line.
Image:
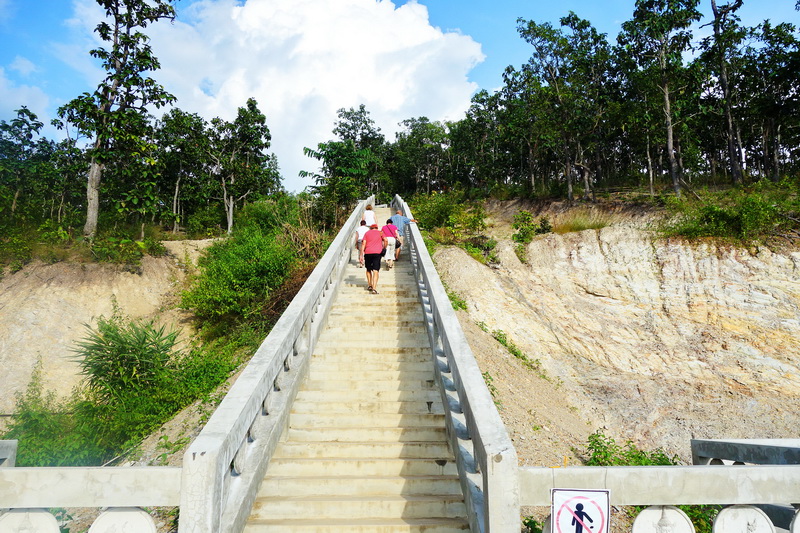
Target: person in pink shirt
column 372, row 245
column 390, row 232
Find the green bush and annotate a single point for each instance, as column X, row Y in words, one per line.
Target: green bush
column 238, row 275
column 135, row 380
column 48, row 432
column 207, row 221
column 527, row 227
column 604, row 451
column 744, row 214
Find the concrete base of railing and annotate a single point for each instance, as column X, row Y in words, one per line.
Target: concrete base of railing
column 8, row 453
column 114, row 520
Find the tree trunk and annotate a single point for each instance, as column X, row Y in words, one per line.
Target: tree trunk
column 92, row 198
column 742, row 155
column 733, row 147
column 674, row 170
column 650, row 173
column 14, row 201
column 175, row 206
column 776, row 148
column 568, row 172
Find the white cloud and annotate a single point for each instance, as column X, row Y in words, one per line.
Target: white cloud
column 304, row 59
column 22, row 65
column 5, row 10
column 11, row 94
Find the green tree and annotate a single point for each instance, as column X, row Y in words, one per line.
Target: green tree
column 112, row 114
column 183, row 143
column 657, row 36
column 238, row 158
column 727, row 36
column 356, row 125
column 17, row 148
column 342, row 180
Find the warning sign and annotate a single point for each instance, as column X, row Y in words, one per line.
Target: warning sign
column 580, row 511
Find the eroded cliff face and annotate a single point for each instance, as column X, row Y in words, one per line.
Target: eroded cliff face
column 658, row 341
column 44, row 311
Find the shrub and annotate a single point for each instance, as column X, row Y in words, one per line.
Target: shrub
column 47, row 430
column 604, row 451
column 527, row 228
column 207, row 221
column 238, row 274
column 750, row 214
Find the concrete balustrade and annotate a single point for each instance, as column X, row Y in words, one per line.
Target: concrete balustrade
column 223, row 466
column 8, row 453
column 485, row 457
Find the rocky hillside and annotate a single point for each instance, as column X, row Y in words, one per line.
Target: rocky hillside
column 657, row 341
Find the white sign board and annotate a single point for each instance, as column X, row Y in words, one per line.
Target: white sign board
column 580, row 511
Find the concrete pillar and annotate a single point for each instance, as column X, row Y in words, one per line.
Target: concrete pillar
column 662, row 519
column 28, row 521
column 123, row 520
column 742, row 518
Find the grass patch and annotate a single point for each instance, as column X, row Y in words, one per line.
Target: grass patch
column 581, row 219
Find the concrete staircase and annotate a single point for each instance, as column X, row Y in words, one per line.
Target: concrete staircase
column 366, row 449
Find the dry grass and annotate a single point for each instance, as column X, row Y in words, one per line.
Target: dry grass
column 582, row 218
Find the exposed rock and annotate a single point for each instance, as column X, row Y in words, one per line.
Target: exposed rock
column 659, row 341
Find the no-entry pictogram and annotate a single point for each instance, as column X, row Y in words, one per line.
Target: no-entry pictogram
column 579, row 511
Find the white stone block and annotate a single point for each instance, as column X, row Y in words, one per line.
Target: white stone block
column 28, row 521
column 745, row 518
column 662, row 519
column 123, row 520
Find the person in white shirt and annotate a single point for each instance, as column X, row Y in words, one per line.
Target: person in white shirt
column 362, row 229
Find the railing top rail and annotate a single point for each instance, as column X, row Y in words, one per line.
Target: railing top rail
column 116, row 486
column 667, row 485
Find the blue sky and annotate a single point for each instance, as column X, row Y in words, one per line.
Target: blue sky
column 302, row 59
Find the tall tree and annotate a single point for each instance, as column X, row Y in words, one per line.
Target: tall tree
column 356, row 125
column 17, row 147
column 239, row 161
column 342, row 179
column 659, row 35
column 726, row 37
column 111, row 115
column 183, row 143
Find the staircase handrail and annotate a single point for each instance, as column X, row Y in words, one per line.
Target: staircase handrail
column 485, row 456
column 224, row 465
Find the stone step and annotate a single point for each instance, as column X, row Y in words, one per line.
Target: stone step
column 353, row 396
column 360, row 507
column 395, row 525
column 386, row 330
column 353, row 316
column 322, row 407
column 323, row 365
column 421, row 353
column 367, row 340
column 371, row 375
column 365, row 420
column 330, row 385
column 359, row 486
column 360, row 434
column 295, row 467
column 361, row 450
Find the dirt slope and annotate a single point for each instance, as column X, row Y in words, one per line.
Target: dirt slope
column 44, row 310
